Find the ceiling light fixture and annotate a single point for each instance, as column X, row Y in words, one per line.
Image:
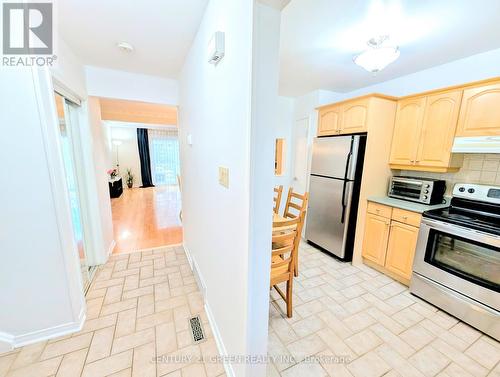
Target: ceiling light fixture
column 125, row 47
column 377, row 56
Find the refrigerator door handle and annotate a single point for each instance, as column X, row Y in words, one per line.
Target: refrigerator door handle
column 347, row 166
column 344, row 205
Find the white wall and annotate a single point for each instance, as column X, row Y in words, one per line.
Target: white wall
column 265, row 113
column 104, row 82
column 128, row 152
column 226, row 124
column 214, row 108
column 102, row 163
column 69, row 70
column 41, row 292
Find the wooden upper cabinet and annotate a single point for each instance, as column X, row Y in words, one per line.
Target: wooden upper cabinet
column 375, row 240
column 354, row 117
column 480, row 112
column 409, row 120
column 401, row 249
column 329, row 121
column 438, row 129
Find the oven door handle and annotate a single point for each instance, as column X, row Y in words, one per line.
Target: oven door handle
column 464, row 232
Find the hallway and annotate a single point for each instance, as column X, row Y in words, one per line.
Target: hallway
column 137, row 317
column 144, row 218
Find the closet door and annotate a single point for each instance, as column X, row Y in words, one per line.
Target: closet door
column 71, row 158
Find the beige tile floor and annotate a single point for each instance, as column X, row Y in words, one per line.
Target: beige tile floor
column 356, row 322
column 137, row 319
column 347, row 321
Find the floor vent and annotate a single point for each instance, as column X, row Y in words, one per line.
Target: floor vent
column 197, row 329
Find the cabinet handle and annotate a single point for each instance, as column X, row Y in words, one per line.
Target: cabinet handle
column 405, row 218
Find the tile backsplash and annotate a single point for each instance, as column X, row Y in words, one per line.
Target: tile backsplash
column 477, row 168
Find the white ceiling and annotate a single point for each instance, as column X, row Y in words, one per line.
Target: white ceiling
column 160, row 30
column 320, row 37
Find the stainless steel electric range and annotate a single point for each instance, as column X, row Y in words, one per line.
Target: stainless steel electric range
column 457, row 261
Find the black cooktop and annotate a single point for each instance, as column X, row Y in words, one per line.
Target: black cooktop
column 469, row 213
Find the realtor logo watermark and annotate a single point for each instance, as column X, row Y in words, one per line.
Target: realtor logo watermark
column 28, row 34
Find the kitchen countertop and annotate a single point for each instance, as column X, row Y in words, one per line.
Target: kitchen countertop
column 409, row 206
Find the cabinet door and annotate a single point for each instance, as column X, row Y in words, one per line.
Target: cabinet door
column 409, row 119
column 401, row 249
column 480, row 112
column 438, row 130
column 329, row 121
column 354, row 117
column 375, row 240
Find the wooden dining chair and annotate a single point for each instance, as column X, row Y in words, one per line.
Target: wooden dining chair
column 285, row 246
column 278, row 190
column 296, row 204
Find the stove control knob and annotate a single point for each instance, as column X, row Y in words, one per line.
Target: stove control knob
column 461, row 189
column 426, row 197
column 471, row 191
column 427, row 186
column 426, row 191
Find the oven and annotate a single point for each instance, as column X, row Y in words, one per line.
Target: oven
column 458, row 270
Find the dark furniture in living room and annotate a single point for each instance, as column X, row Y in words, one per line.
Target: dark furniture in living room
column 115, row 187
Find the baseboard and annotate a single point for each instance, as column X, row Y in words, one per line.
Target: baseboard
column 188, row 255
column 41, row 335
column 213, row 325
column 196, row 272
column 218, row 341
column 111, row 247
column 6, row 342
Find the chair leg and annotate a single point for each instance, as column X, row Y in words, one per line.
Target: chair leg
column 296, row 267
column 289, row 298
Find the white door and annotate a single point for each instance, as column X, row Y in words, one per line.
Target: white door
column 301, row 163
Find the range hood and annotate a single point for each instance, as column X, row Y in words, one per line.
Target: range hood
column 483, row 144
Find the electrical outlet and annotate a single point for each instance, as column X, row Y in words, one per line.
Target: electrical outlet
column 224, row 176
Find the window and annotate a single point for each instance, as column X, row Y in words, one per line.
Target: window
column 164, row 149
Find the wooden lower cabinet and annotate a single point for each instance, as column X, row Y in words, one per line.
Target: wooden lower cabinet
column 401, row 249
column 376, row 237
column 389, row 245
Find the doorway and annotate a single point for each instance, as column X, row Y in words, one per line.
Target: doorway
column 146, row 217
column 301, row 162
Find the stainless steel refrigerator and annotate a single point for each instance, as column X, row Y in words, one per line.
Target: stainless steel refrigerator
column 336, row 171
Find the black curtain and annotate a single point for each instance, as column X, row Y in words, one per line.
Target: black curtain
column 143, row 143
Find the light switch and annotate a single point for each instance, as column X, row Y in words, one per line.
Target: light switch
column 224, row 176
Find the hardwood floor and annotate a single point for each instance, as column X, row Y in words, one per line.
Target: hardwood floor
column 146, row 217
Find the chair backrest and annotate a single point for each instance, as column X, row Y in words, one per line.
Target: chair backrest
column 295, row 203
column 278, row 190
column 286, row 243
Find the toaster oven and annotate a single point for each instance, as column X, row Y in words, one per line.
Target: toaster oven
column 416, row 189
